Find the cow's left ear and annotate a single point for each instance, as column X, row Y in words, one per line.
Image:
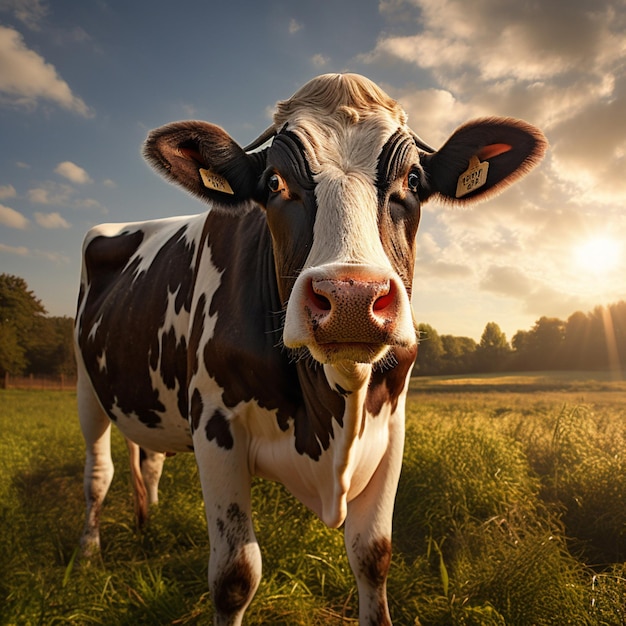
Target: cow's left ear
column 205, row 160
column 481, row 158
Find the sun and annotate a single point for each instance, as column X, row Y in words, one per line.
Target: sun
column 598, row 255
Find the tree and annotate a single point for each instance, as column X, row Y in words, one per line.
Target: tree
column 429, row 351
column 520, row 343
column 458, row 354
column 52, row 350
column 493, row 350
column 576, row 341
column 20, row 310
column 542, row 347
column 546, row 342
column 12, row 355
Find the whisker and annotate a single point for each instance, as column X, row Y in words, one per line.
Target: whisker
column 386, row 362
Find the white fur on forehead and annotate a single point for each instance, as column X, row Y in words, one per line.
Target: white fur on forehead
column 344, row 120
column 346, row 224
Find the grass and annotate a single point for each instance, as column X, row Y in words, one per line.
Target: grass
column 525, row 382
column 511, row 511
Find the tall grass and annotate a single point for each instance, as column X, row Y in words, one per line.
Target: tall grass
column 469, row 500
column 510, row 511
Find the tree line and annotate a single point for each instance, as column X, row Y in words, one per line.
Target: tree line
column 585, row 341
column 32, row 342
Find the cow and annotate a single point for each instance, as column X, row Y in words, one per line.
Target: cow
column 273, row 334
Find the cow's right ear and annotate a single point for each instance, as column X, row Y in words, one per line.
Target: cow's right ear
column 206, row 161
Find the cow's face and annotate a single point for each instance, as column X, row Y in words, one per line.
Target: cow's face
column 342, row 184
column 342, row 201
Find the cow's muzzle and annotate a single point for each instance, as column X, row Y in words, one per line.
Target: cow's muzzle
column 348, row 313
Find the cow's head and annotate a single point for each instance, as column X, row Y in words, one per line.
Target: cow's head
column 342, row 184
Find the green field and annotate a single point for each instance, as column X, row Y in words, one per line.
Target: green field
column 511, row 511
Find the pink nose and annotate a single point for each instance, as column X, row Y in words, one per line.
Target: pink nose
column 351, row 310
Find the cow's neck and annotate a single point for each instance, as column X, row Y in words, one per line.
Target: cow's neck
column 338, row 433
column 244, row 355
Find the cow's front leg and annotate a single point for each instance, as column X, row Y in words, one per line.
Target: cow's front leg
column 221, row 448
column 368, row 531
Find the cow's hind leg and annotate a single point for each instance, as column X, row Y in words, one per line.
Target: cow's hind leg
column 235, row 561
column 140, row 494
column 96, row 428
column 146, row 467
column 151, row 470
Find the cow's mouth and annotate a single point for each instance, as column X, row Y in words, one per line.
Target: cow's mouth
column 355, row 351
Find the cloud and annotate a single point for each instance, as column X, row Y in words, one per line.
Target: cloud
column 555, row 303
column 433, row 113
column 26, row 78
column 52, row 193
column 11, row 218
column 432, row 262
column 492, row 40
column 73, row 173
column 53, row 257
column 51, row 220
column 30, row 12
column 560, row 65
column 441, row 269
column 90, row 204
column 319, row 60
column 7, row 191
column 589, row 152
column 294, row 27
column 190, row 111
column 507, row 281
column 537, row 297
column 19, row 250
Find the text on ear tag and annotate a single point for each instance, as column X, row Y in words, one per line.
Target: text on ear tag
column 473, row 177
column 214, row 181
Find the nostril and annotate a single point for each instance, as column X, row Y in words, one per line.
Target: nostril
column 319, row 300
column 385, row 301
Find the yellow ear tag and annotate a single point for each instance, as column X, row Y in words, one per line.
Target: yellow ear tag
column 473, row 177
column 214, row 181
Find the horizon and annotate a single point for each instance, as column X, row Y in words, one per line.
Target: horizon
column 589, row 312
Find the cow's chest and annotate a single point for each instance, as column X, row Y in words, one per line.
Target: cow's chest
column 325, row 484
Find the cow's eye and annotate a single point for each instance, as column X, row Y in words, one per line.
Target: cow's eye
column 413, row 181
column 275, row 183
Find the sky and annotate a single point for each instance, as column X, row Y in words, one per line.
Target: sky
column 82, row 83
